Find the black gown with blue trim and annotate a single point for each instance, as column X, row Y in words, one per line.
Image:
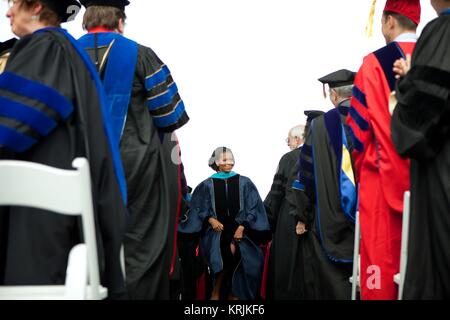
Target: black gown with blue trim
column 51, row 113
column 328, row 244
column 246, row 279
column 154, row 111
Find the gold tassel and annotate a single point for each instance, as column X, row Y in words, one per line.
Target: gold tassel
column 369, row 26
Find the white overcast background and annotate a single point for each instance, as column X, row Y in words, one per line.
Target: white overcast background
column 247, row 69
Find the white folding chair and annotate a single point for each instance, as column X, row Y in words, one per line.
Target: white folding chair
column 399, row 278
column 66, row 192
column 356, row 259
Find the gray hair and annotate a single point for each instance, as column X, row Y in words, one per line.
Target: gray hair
column 344, row 91
column 297, row 131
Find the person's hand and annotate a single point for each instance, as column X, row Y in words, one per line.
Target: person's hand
column 300, row 228
column 215, row 224
column 233, row 248
column 402, row 66
column 238, row 234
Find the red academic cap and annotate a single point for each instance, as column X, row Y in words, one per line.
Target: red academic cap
column 407, row 8
column 119, row 4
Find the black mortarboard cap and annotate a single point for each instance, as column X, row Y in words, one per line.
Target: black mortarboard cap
column 65, row 9
column 120, row 4
column 311, row 114
column 339, row 78
column 7, row 45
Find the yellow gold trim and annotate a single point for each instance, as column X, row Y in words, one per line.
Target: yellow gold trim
column 160, row 68
column 105, row 56
column 369, row 26
column 347, row 164
column 170, row 112
column 158, row 95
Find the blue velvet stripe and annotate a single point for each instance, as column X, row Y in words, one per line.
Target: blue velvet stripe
column 359, row 146
column 360, row 96
column 297, row 185
column 35, row 119
column 171, row 118
column 386, row 57
column 36, row 91
column 360, row 121
column 16, row 141
column 113, row 143
column 163, row 99
column 306, row 165
column 307, row 150
column 119, row 75
column 157, row 78
column 445, row 12
column 333, row 123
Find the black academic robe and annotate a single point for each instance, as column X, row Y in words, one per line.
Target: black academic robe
column 35, row 243
column 149, row 155
column 328, row 244
column 421, row 132
column 283, row 281
column 243, row 199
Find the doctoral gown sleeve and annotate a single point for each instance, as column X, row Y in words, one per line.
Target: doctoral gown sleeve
column 163, row 99
column 34, row 99
column 200, row 209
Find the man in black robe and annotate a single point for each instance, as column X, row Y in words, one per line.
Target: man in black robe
column 327, row 180
column 282, row 280
column 421, row 132
column 52, row 111
column 147, row 109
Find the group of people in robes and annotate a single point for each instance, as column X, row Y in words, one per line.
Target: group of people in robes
column 388, row 133
column 312, row 202
column 113, row 101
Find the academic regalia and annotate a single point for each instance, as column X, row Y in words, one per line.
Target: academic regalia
column 326, row 177
column 146, row 108
column 283, row 282
column 5, row 48
column 53, row 110
column 382, row 175
column 420, row 131
column 247, row 208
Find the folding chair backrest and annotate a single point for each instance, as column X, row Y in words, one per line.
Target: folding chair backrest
column 61, row 191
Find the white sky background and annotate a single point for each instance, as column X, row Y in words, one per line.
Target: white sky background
column 247, row 69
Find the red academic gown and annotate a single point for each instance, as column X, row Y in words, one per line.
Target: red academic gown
column 383, row 176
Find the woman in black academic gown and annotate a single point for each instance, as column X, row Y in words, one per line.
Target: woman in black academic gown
column 228, row 212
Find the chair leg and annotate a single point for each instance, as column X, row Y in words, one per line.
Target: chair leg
column 356, row 268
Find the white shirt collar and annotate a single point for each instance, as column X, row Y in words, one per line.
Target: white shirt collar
column 406, row 37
